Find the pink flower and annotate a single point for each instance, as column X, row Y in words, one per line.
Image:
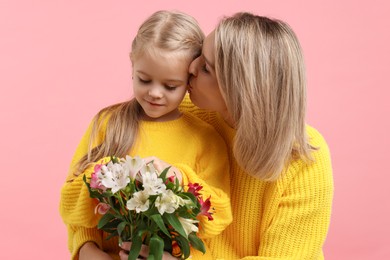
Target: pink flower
column 95, row 181
column 97, row 168
column 205, row 207
column 102, row 208
column 170, row 179
column 194, row 189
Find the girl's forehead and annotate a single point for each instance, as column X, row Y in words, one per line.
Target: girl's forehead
column 163, row 58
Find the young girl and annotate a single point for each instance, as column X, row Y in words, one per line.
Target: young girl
column 150, row 125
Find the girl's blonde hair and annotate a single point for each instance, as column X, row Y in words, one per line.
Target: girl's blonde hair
column 260, row 70
column 167, row 31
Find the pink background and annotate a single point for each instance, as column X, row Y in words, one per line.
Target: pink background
column 61, row 61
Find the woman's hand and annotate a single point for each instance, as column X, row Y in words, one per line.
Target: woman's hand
column 144, row 253
column 160, row 165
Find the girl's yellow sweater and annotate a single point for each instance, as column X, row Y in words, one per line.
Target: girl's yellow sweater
column 285, row 219
column 189, row 144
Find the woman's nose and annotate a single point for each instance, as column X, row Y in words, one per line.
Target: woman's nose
column 193, row 69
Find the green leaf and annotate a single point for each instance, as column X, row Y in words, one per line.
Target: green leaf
column 113, row 234
column 160, row 223
column 85, row 181
column 196, row 242
column 175, row 223
column 185, row 214
column 113, row 224
column 163, row 174
column 167, row 242
column 184, row 246
column 135, row 246
column 156, row 247
column 170, row 186
column 152, row 210
column 105, row 219
column 121, row 227
column 188, row 195
column 177, row 183
column 115, row 159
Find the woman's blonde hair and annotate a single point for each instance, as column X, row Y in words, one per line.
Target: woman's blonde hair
column 167, row 31
column 260, row 70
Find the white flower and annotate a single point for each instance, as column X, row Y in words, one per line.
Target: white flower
column 147, row 168
column 113, row 176
column 139, row 202
column 152, row 184
column 168, row 202
column 188, row 225
column 132, row 165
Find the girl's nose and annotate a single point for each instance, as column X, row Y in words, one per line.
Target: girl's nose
column 155, row 92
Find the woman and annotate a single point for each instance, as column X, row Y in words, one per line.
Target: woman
column 251, row 74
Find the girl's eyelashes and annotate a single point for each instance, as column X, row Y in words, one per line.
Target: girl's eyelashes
column 144, row 81
column 167, row 87
column 170, row 88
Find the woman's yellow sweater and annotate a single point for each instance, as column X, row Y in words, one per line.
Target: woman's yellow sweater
column 285, row 219
column 189, row 144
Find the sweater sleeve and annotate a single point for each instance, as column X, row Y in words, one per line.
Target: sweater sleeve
column 213, row 174
column 76, row 207
column 298, row 222
column 77, row 210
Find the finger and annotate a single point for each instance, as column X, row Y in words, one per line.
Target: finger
column 126, row 246
column 123, row 255
column 144, row 251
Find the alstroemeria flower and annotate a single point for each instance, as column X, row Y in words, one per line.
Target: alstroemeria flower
column 147, row 168
column 139, row 202
column 170, row 179
column 168, row 202
column 132, row 165
column 102, row 208
column 205, row 207
column 114, row 177
column 152, row 184
column 188, row 225
column 96, row 178
column 194, row 188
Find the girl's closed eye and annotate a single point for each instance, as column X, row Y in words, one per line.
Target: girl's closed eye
column 144, row 81
column 170, row 87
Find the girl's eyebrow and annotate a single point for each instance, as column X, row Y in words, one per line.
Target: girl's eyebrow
column 167, row 80
column 140, row 71
column 174, row 80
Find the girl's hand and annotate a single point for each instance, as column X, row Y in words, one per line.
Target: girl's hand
column 90, row 251
column 144, row 253
column 160, row 165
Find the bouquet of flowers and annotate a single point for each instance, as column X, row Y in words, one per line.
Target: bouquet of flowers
column 144, row 206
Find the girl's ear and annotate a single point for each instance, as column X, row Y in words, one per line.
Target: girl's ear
column 131, row 57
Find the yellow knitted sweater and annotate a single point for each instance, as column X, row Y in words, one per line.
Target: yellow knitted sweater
column 285, row 219
column 189, row 144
